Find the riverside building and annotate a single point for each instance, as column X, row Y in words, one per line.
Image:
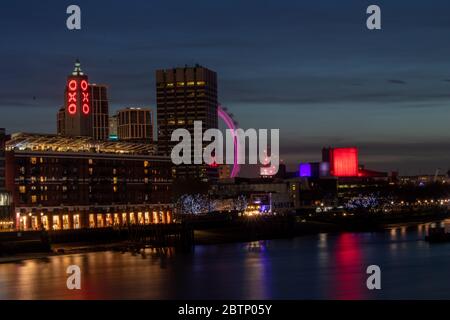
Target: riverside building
column 5, row 210
column 62, row 182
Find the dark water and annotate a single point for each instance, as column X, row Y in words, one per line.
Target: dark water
column 325, row 266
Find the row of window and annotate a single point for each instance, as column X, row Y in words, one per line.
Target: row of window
column 65, row 221
column 181, row 84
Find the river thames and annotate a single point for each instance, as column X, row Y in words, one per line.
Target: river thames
column 323, row 266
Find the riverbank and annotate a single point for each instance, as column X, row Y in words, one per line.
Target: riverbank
column 235, row 233
column 208, row 231
column 260, row 228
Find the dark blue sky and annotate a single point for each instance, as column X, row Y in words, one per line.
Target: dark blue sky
column 310, row 68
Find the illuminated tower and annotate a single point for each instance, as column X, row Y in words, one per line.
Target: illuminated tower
column 78, row 121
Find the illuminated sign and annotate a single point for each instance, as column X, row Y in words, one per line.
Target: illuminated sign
column 78, row 95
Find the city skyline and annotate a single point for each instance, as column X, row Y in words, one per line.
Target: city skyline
column 384, row 92
column 213, row 159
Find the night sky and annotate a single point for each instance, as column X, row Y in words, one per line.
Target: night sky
column 310, row 68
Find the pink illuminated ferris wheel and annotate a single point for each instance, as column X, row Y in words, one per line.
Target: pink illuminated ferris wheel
column 227, row 117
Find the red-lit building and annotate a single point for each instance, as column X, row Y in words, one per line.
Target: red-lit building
column 86, row 110
column 77, row 182
column 78, row 121
column 343, row 161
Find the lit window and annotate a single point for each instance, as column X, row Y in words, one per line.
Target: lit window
column 91, row 221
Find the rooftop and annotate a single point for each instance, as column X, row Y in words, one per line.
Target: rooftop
column 57, row 143
column 77, row 69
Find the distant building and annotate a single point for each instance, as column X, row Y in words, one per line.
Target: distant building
column 266, row 194
column 5, row 209
column 61, row 121
column 135, row 124
column 113, row 122
column 343, row 161
column 100, row 112
column 314, row 169
column 422, row 180
column 77, row 182
column 185, row 95
column 224, row 171
column 268, row 171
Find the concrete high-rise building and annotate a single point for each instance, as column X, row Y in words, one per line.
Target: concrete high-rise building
column 78, row 113
column 185, row 95
column 135, row 124
column 100, row 112
column 61, row 121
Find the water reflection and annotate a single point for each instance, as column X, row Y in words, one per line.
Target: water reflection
column 446, row 225
column 257, row 246
column 257, row 271
column 348, row 277
column 320, row 266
